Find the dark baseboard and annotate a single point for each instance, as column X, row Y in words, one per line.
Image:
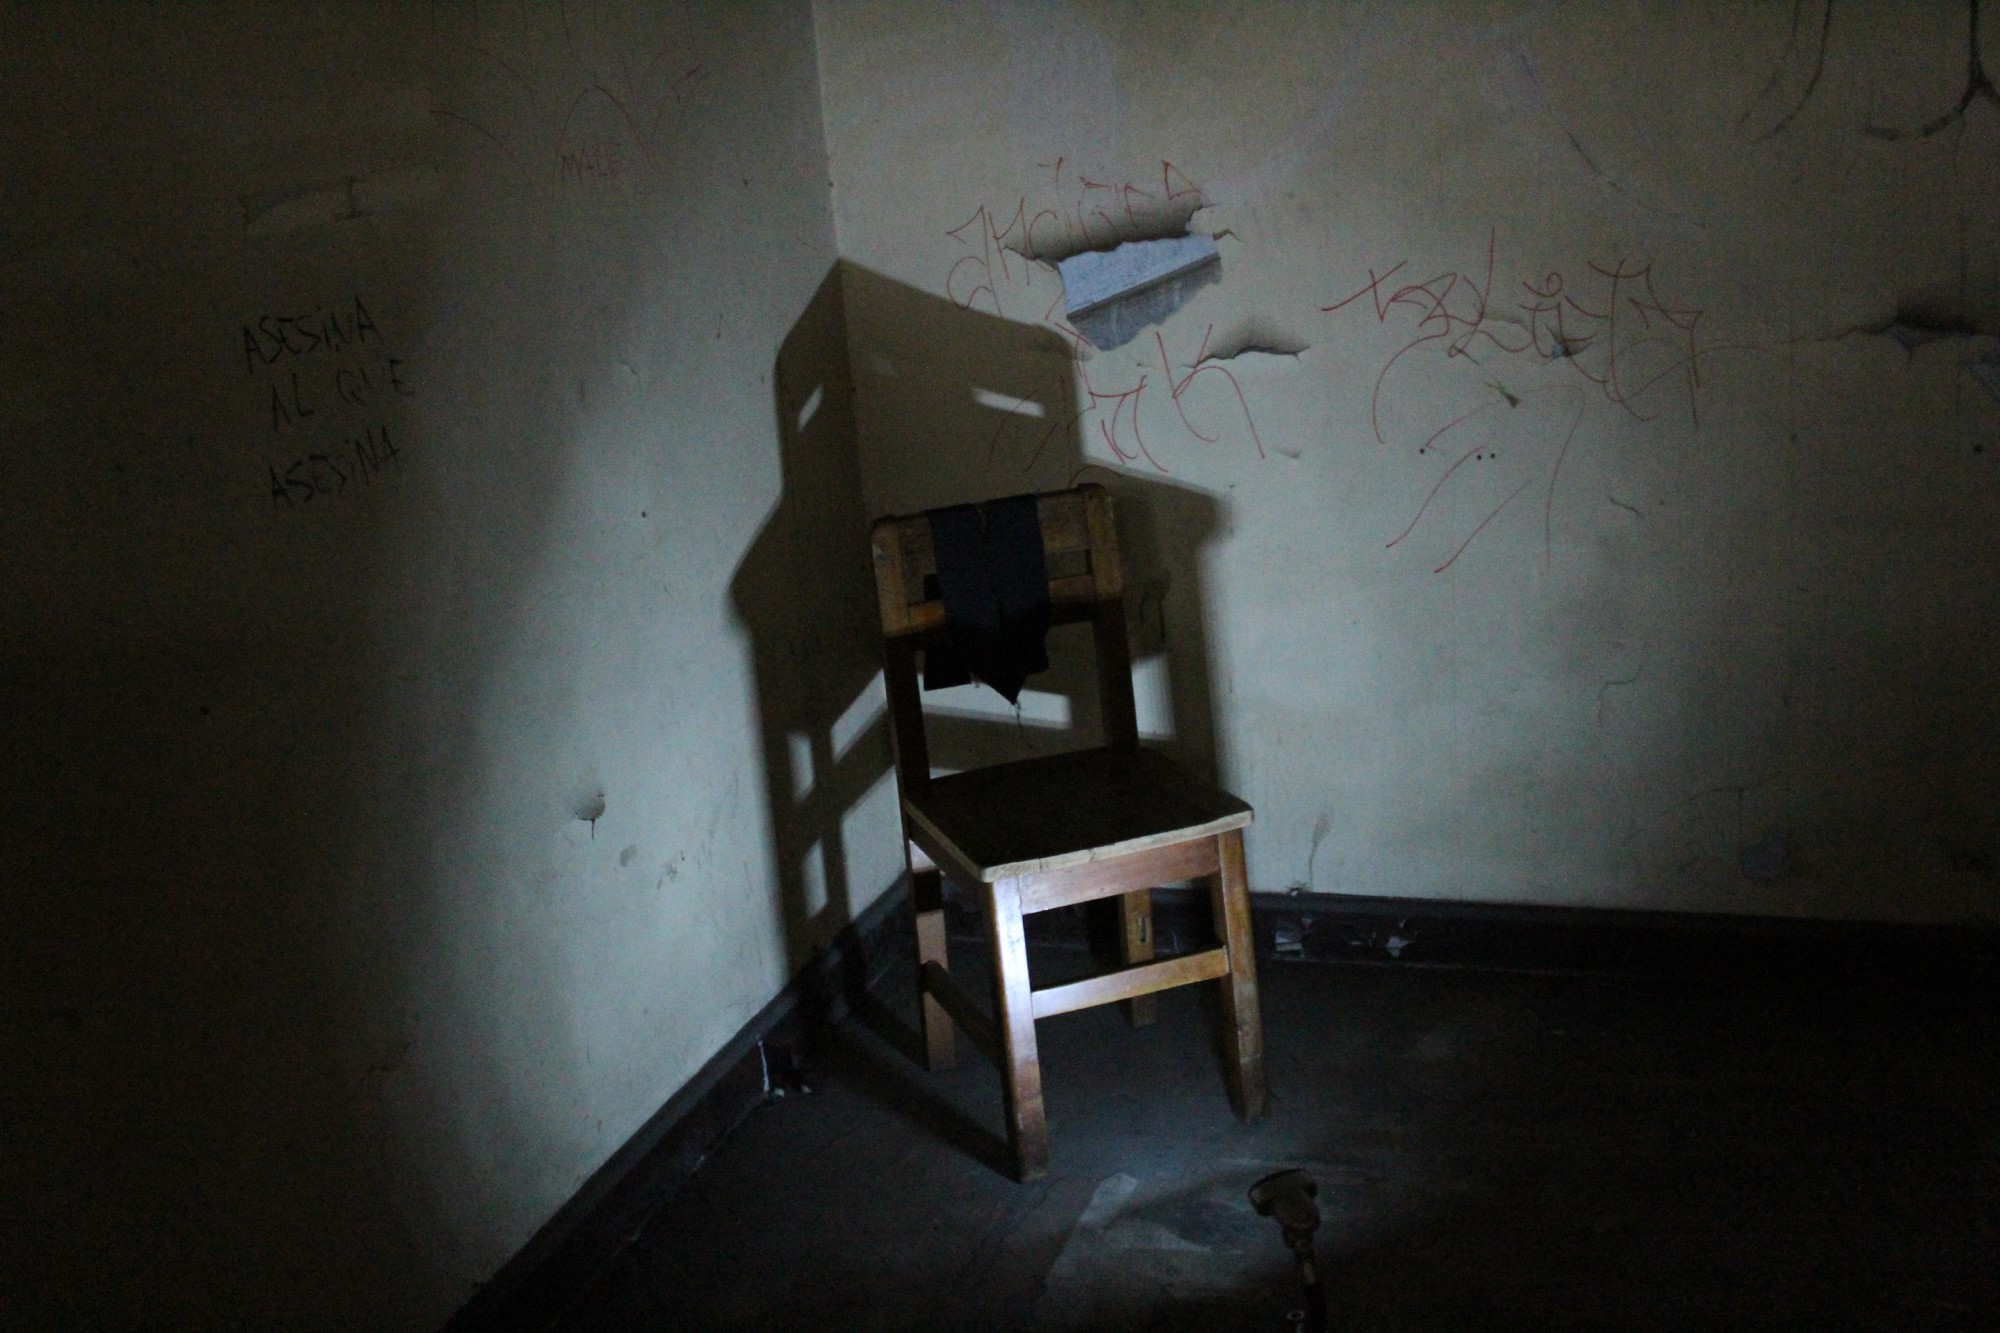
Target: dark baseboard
column 1426, row 932
column 588, row 1234
column 1518, row 937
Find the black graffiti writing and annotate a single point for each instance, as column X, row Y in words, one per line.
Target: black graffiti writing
column 369, row 383
column 271, row 338
column 331, row 386
column 365, row 385
column 356, row 462
column 289, row 409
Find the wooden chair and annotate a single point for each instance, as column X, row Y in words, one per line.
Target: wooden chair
column 1047, row 832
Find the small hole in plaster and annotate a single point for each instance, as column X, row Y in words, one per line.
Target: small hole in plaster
column 587, row 804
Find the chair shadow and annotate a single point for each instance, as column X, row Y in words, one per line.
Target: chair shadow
column 805, row 595
column 902, row 1086
column 890, row 399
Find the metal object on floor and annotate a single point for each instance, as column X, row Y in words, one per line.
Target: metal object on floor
column 1290, row 1197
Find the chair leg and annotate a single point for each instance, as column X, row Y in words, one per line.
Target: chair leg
column 927, row 901
column 1242, row 1025
column 1141, row 1010
column 1014, row 1015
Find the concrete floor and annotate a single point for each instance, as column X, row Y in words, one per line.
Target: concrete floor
column 1495, row 1151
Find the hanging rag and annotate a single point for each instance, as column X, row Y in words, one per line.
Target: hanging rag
column 994, row 582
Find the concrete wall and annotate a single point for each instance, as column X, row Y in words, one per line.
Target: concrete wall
column 403, row 571
column 1537, row 508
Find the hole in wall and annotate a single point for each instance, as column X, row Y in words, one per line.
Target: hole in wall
column 586, row 802
column 1111, row 295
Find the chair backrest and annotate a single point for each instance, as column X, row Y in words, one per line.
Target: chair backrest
column 1086, row 582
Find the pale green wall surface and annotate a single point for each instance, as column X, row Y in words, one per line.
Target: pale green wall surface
column 1474, row 619
column 320, row 997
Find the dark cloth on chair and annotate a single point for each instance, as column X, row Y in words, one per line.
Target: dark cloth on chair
column 994, row 582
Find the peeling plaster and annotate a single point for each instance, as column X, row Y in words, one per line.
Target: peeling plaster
column 1158, row 220
column 1255, row 338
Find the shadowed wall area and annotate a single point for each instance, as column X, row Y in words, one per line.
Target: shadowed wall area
column 807, row 601
column 387, row 390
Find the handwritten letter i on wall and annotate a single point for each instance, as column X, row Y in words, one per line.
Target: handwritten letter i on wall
column 328, row 384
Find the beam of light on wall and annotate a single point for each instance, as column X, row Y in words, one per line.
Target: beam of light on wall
column 1153, row 698
column 868, row 706
column 1039, row 708
column 810, row 409
column 1010, row 403
column 812, row 879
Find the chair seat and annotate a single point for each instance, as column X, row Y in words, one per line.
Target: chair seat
column 1067, row 809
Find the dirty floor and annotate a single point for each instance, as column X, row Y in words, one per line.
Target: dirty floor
column 1495, row 1151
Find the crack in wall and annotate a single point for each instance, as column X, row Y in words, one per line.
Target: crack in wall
column 1784, row 62
column 1978, row 86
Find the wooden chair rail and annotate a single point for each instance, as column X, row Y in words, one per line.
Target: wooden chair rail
column 1117, row 874
column 1123, row 983
column 1079, row 542
column 925, row 627
column 1130, row 982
